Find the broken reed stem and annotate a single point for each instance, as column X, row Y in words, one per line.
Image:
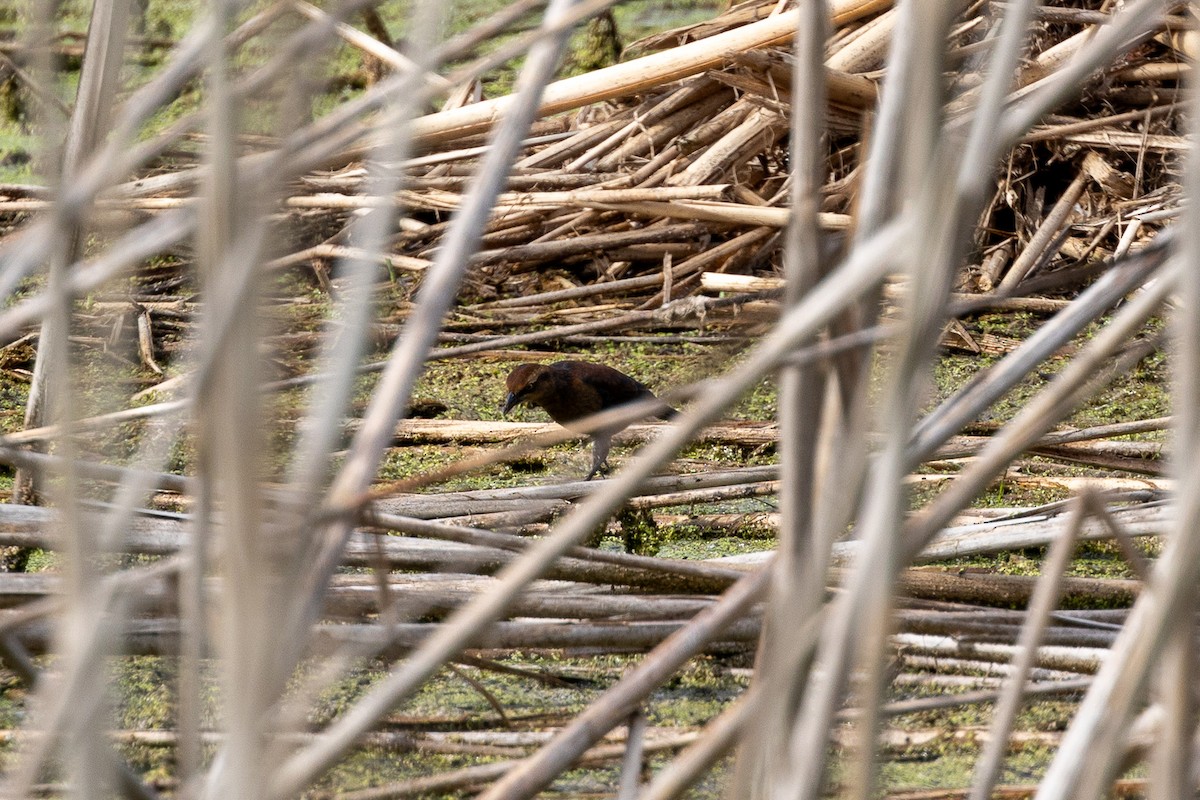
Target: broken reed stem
column 987, row 768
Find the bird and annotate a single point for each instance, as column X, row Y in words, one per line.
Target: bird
column 570, row 390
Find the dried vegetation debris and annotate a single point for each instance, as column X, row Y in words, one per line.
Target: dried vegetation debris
column 648, row 210
column 691, row 176
column 619, row 210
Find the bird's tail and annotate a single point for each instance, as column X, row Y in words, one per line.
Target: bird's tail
column 667, row 413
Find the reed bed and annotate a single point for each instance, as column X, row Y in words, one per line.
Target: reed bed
column 836, row 190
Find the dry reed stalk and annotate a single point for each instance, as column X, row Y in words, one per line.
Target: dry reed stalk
column 1037, row 251
column 869, row 603
column 573, row 144
column 68, row 706
column 634, row 76
column 797, row 579
column 1171, row 591
column 702, row 102
column 987, row 768
column 395, row 387
column 1077, row 660
column 865, row 47
column 368, row 44
column 909, row 622
column 708, row 575
column 1149, row 520
column 604, row 636
column 760, row 129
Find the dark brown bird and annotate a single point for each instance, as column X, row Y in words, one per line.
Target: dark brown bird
column 571, row 390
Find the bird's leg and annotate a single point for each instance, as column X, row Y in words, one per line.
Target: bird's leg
column 601, row 442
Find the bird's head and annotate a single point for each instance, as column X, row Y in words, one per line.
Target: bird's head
column 524, row 384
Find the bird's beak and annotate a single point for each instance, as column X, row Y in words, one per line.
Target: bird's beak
column 509, row 401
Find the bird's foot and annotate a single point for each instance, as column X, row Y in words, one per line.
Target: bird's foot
column 600, row 469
